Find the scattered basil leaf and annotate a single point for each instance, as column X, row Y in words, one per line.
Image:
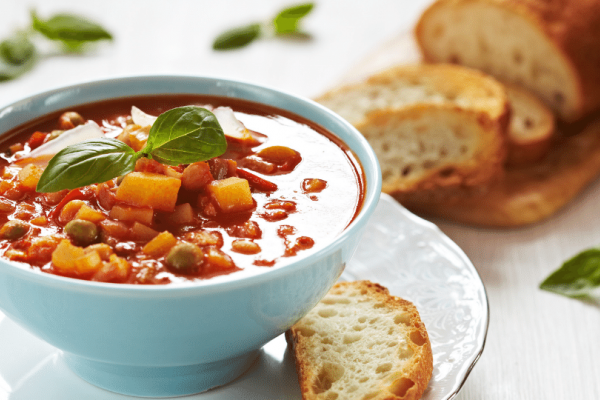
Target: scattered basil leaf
column 69, row 28
column 287, row 20
column 185, row 135
column 11, row 71
column 85, row 163
column 17, row 49
column 237, row 37
column 577, row 277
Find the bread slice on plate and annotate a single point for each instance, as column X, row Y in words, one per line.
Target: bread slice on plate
column 362, row 343
column 431, row 126
column 531, row 128
column 550, row 47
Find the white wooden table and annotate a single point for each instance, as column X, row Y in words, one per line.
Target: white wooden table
column 540, row 345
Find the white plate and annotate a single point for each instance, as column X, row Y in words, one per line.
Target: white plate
column 408, row 255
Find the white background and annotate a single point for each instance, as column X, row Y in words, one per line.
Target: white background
column 540, row 345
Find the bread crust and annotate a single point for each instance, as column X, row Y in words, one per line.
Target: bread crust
column 421, row 365
column 526, row 194
column 572, row 28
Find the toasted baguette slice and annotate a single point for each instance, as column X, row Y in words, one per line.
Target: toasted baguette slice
column 432, row 147
column 531, row 127
column 408, row 85
column 361, row 343
column 431, row 126
column 550, row 47
column 525, row 194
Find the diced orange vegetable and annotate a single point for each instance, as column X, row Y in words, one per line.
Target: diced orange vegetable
column 5, row 185
column 56, row 197
column 106, row 197
column 313, row 185
column 29, row 176
column 160, row 245
column 41, row 248
column 126, row 213
column 64, row 256
column 88, row 263
column 231, row 194
column 196, row 176
column 138, row 138
column 143, row 189
column 182, row 215
column 69, row 211
column 115, row 270
column 16, row 255
column 113, row 228
column 142, row 232
column 89, row 214
column 103, row 250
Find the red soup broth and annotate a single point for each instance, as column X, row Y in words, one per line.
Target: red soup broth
column 306, row 188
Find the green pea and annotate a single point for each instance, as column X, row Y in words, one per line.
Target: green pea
column 184, row 258
column 81, row 231
column 14, row 229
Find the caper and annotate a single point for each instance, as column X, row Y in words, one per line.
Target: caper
column 81, row 231
column 70, row 120
column 184, row 258
column 14, row 229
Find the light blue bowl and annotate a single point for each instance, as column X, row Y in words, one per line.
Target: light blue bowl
column 158, row 341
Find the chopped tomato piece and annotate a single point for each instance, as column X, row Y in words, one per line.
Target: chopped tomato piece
column 36, row 140
column 257, row 182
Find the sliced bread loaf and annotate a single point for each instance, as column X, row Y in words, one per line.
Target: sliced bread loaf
column 362, row 343
column 531, row 127
column 550, row 47
column 431, row 126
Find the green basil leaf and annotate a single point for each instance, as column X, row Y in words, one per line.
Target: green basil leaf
column 17, row 49
column 185, row 135
column 85, row 163
column 577, row 277
column 237, row 37
column 69, row 28
column 287, row 20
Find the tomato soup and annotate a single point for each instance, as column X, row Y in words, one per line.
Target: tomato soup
column 283, row 188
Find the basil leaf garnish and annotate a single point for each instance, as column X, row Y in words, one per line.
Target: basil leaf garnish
column 287, row 20
column 237, row 37
column 16, row 50
column 185, row 135
column 85, row 163
column 577, row 277
column 69, row 28
column 182, row 135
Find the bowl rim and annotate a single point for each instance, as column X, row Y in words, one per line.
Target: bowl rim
column 373, row 184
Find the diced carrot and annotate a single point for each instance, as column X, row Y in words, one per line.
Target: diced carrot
column 89, row 214
column 313, row 185
column 103, row 250
column 115, row 229
column 70, row 210
column 5, row 185
column 88, row 263
column 196, row 176
column 117, row 269
column 36, row 140
column 215, row 259
column 64, row 256
column 142, row 232
column 127, row 213
column 182, row 215
column 160, row 245
column 143, row 189
column 40, row 221
column 79, row 194
column 231, row 194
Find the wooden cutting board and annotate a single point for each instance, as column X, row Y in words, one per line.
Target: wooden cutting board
column 523, row 195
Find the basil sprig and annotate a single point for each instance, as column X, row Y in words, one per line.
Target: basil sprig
column 18, row 53
column 286, row 22
column 179, row 136
column 577, row 277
